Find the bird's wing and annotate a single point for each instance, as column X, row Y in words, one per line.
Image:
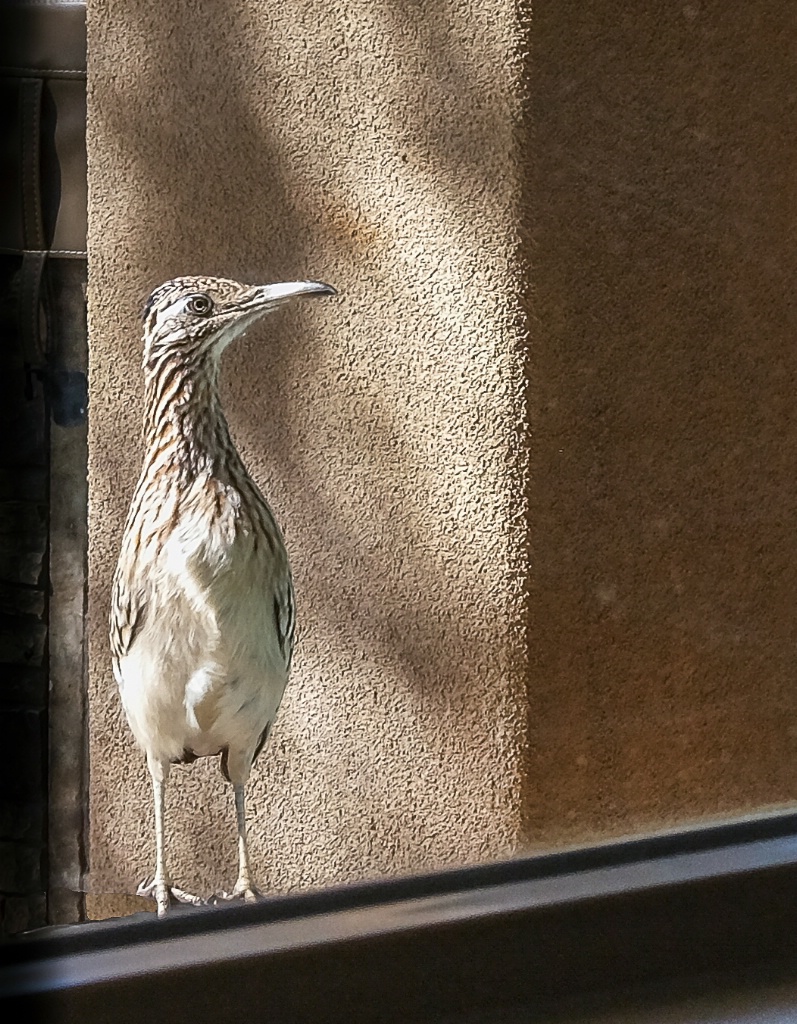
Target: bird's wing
column 128, row 600
column 127, row 615
column 142, row 536
column 285, row 617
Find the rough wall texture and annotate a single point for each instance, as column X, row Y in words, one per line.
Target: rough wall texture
column 370, row 145
column 661, row 196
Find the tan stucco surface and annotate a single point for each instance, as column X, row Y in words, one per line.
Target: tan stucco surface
column 661, row 196
column 370, row 146
column 571, row 237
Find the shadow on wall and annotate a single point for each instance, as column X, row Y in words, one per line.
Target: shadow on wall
column 379, row 424
column 658, row 206
column 661, row 194
column 223, row 178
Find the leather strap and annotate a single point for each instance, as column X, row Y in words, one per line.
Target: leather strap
column 30, row 102
column 46, row 40
column 43, row 152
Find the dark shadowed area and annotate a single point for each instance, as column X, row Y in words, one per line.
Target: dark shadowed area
column 661, row 203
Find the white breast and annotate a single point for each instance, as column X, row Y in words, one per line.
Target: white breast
column 205, row 670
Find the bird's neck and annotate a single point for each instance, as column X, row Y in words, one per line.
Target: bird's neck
column 185, row 430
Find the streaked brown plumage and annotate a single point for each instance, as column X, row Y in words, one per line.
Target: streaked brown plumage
column 202, row 616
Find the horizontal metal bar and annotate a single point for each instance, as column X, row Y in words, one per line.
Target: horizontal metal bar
column 620, row 913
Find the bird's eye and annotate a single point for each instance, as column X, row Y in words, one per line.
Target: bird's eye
column 199, row 305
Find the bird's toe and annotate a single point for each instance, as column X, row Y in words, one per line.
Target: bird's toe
column 181, row 896
column 167, row 895
column 242, row 891
column 146, row 888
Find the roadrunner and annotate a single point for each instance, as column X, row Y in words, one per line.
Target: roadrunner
column 202, row 616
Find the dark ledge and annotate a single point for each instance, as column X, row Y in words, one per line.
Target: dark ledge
column 526, row 936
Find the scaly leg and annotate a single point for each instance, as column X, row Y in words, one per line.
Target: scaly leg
column 161, row 886
column 243, row 887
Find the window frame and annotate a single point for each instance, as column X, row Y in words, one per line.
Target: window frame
column 532, row 935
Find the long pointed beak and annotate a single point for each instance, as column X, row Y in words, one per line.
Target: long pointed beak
column 260, row 301
column 274, row 294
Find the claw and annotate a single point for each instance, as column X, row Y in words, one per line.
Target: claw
column 165, row 895
column 243, row 891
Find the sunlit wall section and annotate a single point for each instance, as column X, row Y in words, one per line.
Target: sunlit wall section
column 373, row 146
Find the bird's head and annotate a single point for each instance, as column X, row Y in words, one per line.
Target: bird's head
column 197, row 317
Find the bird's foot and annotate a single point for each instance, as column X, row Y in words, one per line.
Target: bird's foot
column 243, row 890
column 166, row 895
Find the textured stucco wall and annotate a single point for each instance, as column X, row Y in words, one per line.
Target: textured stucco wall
column 661, row 197
column 641, row 160
column 371, row 145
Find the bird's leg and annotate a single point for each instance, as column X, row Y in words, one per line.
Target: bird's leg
column 161, row 879
column 243, row 887
column 161, row 886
